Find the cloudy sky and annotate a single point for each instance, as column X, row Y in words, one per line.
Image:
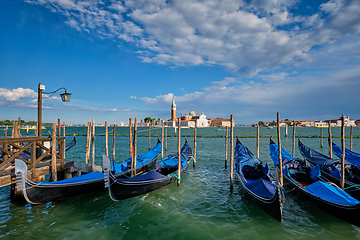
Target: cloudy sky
column 122, row 59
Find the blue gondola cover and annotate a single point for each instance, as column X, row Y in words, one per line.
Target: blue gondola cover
column 274, row 153
column 141, row 160
column 331, row 193
column 315, row 172
column 350, row 156
column 262, row 188
column 82, row 178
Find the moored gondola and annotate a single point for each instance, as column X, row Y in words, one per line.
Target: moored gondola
column 331, row 169
column 37, row 193
column 163, row 176
column 350, row 156
column 258, row 182
column 307, row 182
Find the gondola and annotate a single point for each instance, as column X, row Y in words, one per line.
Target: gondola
column 330, row 169
column 350, row 156
column 37, row 193
column 164, row 175
column 258, row 182
column 307, row 182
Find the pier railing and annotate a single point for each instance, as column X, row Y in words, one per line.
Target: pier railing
column 34, row 151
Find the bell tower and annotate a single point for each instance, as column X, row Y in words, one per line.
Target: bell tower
column 173, row 110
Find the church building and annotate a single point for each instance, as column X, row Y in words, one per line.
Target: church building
column 187, row 120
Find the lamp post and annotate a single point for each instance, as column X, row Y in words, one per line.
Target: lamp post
column 65, row 97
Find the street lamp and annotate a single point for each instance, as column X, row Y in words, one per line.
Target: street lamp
column 65, row 97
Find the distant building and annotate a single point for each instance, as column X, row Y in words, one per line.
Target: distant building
column 187, row 120
column 337, row 122
column 218, row 122
column 321, row 124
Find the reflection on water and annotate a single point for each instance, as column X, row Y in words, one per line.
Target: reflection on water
column 202, row 207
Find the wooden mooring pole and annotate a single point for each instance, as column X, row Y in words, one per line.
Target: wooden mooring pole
column 321, row 138
column 6, row 130
column 130, row 137
column 93, row 146
column 330, row 140
column 350, row 138
column 293, row 147
column 226, row 145
column 231, row 151
column 53, row 154
column 149, row 136
column 195, row 132
column 162, row 142
column 342, row 180
column 165, row 139
column 135, row 147
column 106, row 139
column 179, row 152
column 88, row 137
column 114, row 143
column 258, row 141
column 279, row 144
column 59, row 128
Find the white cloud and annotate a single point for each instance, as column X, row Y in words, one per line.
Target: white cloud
column 17, row 94
column 245, row 37
column 311, row 95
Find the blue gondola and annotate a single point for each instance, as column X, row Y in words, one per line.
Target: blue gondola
column 163, row 176
column 308, row 182
column 258, row 182
column 330, row 169
column 37, row 193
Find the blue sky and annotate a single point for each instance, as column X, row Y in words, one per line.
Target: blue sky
column 122, row 59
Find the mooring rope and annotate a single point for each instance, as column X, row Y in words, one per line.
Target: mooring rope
column 355, row 185
column 171, row 174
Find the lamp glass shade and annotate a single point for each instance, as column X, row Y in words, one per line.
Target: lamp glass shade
column 65, row 97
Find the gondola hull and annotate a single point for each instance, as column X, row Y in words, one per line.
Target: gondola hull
column 37, row 193
column 315, row 158
column 349, row 187
column 257, row 182
column 273, row 206
column 345, row 212
column 162, row 177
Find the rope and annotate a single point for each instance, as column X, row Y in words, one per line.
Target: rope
column 193, row 159
column 356, row 185
column 171, row 174
column 289, row 190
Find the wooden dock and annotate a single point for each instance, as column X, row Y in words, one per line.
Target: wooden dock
column 36, row 153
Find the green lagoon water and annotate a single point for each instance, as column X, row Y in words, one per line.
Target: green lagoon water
column 203, row 207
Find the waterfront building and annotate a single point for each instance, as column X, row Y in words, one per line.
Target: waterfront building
column 219, row 122
column 187, row 120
